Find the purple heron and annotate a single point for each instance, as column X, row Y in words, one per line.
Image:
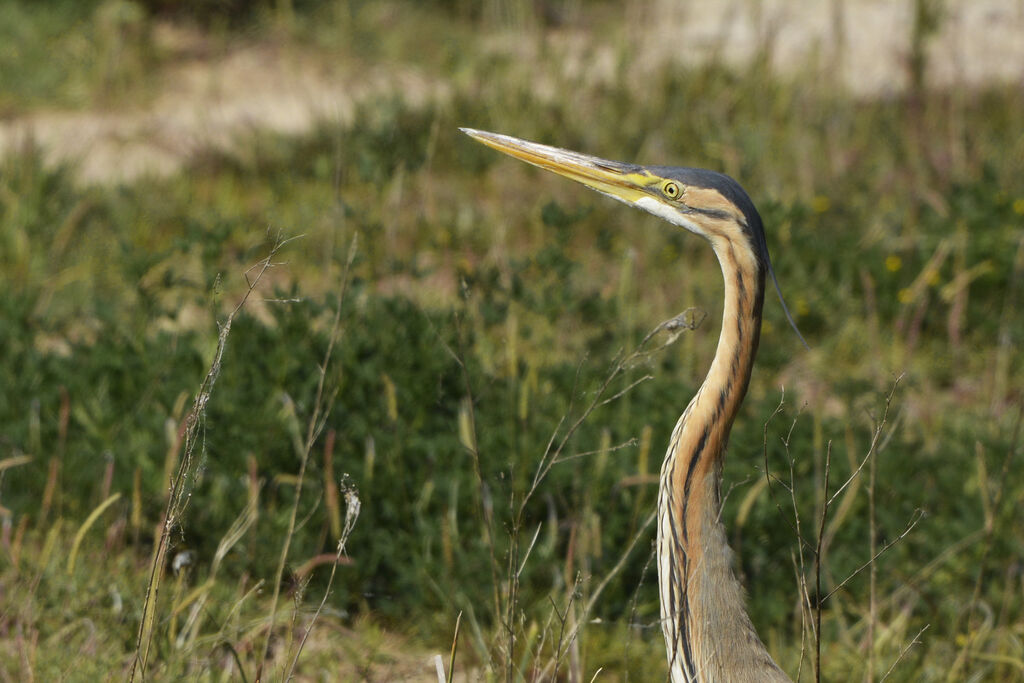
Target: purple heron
column 708, row 634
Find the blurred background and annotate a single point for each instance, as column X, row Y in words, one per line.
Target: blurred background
column 439, row 359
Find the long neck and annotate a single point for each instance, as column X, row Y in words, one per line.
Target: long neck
column 707, row 631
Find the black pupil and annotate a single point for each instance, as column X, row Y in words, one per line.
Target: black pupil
column 670, row 190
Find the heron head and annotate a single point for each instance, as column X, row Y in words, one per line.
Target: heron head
column 707, row 203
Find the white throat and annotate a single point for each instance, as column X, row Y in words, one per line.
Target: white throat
column 661, row 210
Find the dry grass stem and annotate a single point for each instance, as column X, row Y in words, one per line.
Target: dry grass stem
column 180, row 484
column 321, row 408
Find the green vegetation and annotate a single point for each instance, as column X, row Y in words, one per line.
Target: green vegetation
column 485, row 308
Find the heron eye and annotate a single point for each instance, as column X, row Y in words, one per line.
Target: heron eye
column 671, row 190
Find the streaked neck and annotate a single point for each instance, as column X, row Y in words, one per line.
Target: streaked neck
column 707, row 631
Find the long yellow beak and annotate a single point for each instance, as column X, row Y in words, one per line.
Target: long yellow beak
column 625, row 182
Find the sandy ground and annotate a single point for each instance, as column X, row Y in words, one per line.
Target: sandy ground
column 206, row 101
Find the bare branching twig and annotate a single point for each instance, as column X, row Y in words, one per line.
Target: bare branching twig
column 811, row 609
column 180, row 489
column 317, row 419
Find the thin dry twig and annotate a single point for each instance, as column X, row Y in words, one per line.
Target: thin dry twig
column 317, row 420
column 558, row 441
column 352, row 508
column 818, row 562
column 455, row 645
column 181, row 483
column 880, row 439
column 592, row 601
column 914, row 519
column 688, row 320
column 904, row 651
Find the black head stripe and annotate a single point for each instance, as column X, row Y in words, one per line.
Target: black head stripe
column 728, row 188
column 734, row 192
